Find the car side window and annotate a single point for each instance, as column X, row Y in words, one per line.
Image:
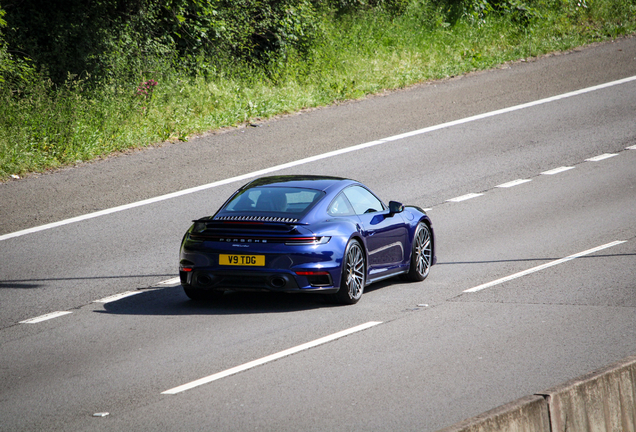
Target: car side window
column 340, row 207
column 362, row 200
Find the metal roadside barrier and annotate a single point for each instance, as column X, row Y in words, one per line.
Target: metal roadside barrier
column 601, row 401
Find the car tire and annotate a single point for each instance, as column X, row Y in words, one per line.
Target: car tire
column 353, row 276
column 421, row 254
column 201, row 294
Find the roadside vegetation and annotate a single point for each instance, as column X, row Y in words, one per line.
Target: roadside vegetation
column 82, row 79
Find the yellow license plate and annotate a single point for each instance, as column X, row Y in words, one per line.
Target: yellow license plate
column 242, row 260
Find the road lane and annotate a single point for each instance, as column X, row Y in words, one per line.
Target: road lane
column 92, row 259
column 172, row 167
column 321, row 157
column 464, row 354
column 200, row 339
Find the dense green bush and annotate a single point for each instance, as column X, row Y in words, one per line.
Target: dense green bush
column 83, row 78
column 117, row 38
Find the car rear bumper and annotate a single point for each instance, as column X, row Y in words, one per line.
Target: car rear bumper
column 252, row 280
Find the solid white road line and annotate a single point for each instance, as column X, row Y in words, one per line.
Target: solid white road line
column 542, row 267
column 557, row 170
column 314, row 159
column 514, row 183
column 270, row 358
column 601, row 157
column 45, row 317
column 465, row 197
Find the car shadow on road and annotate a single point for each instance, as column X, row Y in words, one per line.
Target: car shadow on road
column 19, row 285
column 172, row 301
column 44, row 282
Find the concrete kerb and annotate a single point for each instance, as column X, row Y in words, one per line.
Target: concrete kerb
column 528, row 414
column 603, row 401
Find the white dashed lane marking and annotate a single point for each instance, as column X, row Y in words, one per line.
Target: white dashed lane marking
column 601, row 157
column 45, row 317
column 117, row 297
column 465, row 197
column 270, row 358
column 542, row 267
column 554, row 171
column 557, row 170
column 514, row 183
column 173, row 281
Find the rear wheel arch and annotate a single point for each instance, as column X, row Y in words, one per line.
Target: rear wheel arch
column 352, row 285
column 422, row 252
column 429, row 224
column 360, row 240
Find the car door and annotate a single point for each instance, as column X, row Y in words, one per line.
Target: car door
column 385, row 233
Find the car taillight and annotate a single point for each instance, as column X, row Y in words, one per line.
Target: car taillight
column 311, row 273
column 185, row 275
column 317, row 278
column 307, row 240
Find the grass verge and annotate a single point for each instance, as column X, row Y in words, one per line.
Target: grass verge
column 52, row 126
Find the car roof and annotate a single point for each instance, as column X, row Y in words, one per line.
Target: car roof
column 322, row 183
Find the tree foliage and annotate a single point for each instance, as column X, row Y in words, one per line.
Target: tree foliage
column 477, row 10
column 128, row 40
column 118, row 39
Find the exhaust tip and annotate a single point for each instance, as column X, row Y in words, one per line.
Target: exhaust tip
column 277, row 282
column 204, row 280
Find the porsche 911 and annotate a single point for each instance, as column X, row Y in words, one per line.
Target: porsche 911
column 308, row 234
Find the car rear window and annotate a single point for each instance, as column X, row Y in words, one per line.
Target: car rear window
column 274, row 199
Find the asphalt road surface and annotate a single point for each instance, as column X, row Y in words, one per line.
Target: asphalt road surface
column 529, row 172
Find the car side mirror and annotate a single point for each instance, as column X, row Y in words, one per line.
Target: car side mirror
column 395, row 207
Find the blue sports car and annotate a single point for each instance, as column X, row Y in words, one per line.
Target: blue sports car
column 309, row 234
